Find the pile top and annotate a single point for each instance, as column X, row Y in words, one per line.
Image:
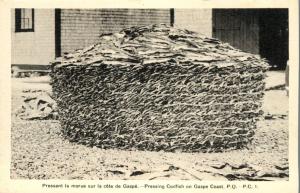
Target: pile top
column 158, row 44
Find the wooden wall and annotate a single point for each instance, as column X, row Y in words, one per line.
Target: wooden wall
column 82, row 27
column 238, row 27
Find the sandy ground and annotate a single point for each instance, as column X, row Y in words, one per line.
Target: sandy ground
column 40, row 152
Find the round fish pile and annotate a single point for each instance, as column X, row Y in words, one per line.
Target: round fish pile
column 159, row 88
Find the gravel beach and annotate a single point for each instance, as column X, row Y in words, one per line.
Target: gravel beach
column 38, row 150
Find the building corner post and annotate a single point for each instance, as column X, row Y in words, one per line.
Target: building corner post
column 57, row 27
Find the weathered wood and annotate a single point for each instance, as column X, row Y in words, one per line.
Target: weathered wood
column 240, row 28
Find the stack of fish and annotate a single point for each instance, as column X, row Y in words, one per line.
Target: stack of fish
column 159, row 88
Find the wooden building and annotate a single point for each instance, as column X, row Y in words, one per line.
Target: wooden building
column 40, row 35
column 258, row 31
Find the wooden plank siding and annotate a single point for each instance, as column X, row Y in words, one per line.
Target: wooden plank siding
column 82, row 27
column 238, row 27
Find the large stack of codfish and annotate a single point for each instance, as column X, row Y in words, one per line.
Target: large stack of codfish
column 159, row 88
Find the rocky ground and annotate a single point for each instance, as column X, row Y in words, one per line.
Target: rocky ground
column 40, row 152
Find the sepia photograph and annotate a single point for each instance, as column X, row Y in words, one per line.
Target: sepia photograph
column 150, row 94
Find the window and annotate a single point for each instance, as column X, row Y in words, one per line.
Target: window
column 24, row 20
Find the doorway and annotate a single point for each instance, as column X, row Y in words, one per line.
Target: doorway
column 273, row 37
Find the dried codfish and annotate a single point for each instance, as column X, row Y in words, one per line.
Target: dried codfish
column 159, row 88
